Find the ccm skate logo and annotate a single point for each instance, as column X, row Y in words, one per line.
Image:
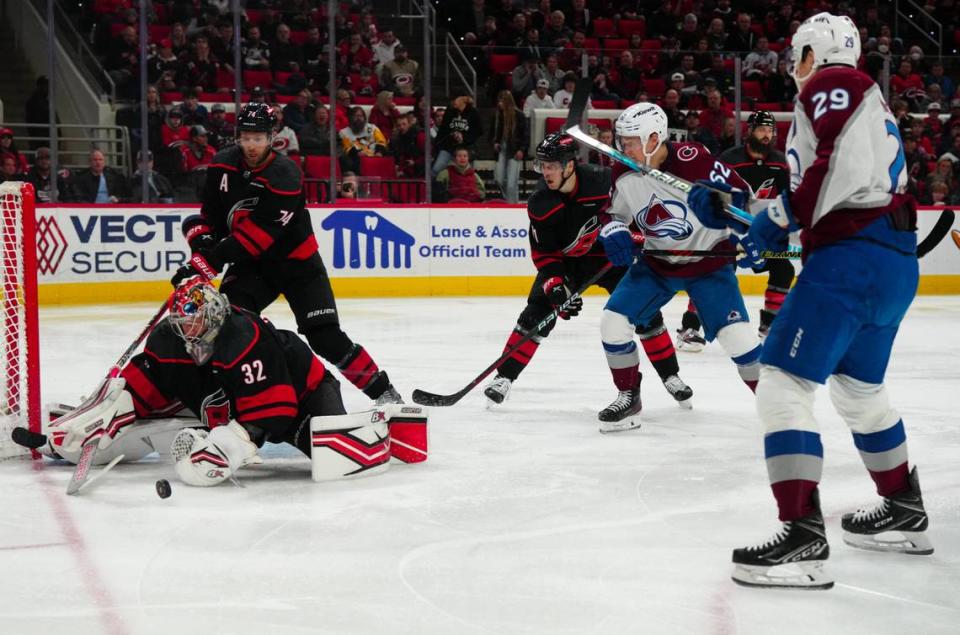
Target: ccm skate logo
column 796, row 342
column 380, row 236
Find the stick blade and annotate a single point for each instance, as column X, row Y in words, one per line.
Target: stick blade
column 936, row 234
column 425, row 398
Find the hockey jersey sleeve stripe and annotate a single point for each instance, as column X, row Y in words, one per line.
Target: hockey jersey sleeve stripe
column 170, row 360
column 255, row 234
column 267, row 185
column 592, row 198
column 247, row 245
column 282, row 394
column 223, row 166
column 268, row 413
column 546, row 214
column 305, row 249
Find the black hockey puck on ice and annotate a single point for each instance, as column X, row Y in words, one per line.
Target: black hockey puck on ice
column 163, row 488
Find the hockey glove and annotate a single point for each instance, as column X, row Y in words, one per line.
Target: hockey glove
column 557, row 293
column 198, row 233
column 771, row 227
column 752, row 259
column 618, row 243
column 708, row 204
column 203, row 263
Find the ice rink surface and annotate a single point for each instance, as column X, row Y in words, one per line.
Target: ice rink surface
column 523, row 520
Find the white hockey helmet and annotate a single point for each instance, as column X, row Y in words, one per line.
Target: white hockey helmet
column 834, row 39
column 642, row 120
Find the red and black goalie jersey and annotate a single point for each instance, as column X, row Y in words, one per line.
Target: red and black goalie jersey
column 564, row 226
column 255, row 213
column 264, row 374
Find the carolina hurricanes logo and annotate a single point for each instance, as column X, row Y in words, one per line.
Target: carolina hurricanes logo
column 664, row 219
column 766, row 189
column 240, row 210
column 687, row 153
column 280, row 144
column 585, row 239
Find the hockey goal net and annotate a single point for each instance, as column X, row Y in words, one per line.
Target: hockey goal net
column 19, row 360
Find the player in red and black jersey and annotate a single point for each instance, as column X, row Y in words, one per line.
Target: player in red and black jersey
column 254, row 218
column 225, row 363
column 566, row 214
column 765, row 170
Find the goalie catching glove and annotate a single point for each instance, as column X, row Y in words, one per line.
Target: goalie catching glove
column 558, row 293
column 204, row 459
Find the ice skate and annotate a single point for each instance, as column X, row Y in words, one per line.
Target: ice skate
column 390, row 395
column 623, row 413
column 498, row 390
column 898, row 523
column 690, row 341
column 679, row 391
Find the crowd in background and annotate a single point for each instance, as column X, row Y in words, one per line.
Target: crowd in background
column 528, row 55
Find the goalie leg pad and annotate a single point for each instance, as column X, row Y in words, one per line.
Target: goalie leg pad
column 408, row 432
column 205, row 459
column 344, row 446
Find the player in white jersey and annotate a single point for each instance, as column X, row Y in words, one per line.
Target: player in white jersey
column 665, row 221
column 839, row 322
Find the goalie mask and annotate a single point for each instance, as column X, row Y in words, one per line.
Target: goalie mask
column 196, row 315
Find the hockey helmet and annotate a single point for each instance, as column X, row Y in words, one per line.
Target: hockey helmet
column 196, row 314
column 255, row 117
column 834, row 39
column 642, row 120
column 556, row 147
column 761, row 118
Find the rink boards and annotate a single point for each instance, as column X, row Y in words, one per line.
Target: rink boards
column 115, row 253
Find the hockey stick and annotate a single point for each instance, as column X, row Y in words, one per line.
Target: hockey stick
column 88, row 452
column 425, row 398
column 937, row 234
column 664, row 177
column 791, row 253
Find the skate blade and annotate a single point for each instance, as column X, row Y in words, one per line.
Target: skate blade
column 913, row 543
column 606, row 427
column 808, row 576
column 492, row 402
column 686, row 404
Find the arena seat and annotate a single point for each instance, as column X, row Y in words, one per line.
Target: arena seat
column 603, row 27
column 629, row 27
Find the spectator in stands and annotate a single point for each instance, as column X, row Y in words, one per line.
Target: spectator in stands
column 173, row 133
column 285, row 55
column 571, row 56
column 671, row 106
column 579, row 17
column 954, row 113
column 284, row 137
column 367, row 83
column 525, row 76
column 556, row 34
column 905, row 79
column 9, row 170
column 383, row 51
column 938, row 194
column 663, row 22
column 932, row 123
column 539, row 98
column 180, row 45
column 123, row 62
column 711, row 118
column 553, row 73
column 717, row 35
column 360, row 139
column 698, row 134
column 460, row 181
column 531, row 44
column 98, row 183
column 950, row 143
column 221, row 42
column 916, row 163
column 461, row 126
column 515, row 30
column 510, row 138
column 944, row 171
column 347, row 188
column 164, row 67
column 314, row 137
column 341, row 111
column 220, row 132
column 159, row 188
column 601, row 90
column 937, row 76
column 194, row 114
column 722, row 78
column 780, row 86
column 761, row 62
column 540, row 17
column 742, row 39
column 918, row 131
column 931, row 95
column 255, row 51
column 201, row 67
column 408, row 146
column 384, row 113
column 9, row 148
column 39, row 176
column 297, row 113
column 689, row 32
column 354, row 54
column 629, row 78
column 728, row 136
column 604, row 135
column 563, row 97
column 401, row 75
column 314, row 55
column 197, row 153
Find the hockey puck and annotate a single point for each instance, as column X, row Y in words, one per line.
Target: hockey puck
column 163, row 488
column 28, row 438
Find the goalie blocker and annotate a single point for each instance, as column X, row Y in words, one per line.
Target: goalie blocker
column 362, row 443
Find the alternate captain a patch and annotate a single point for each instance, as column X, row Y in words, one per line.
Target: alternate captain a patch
column 664, row 218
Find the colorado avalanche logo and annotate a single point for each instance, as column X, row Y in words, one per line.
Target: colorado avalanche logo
column 664, row 219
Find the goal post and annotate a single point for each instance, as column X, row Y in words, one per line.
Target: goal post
column 19, row 361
